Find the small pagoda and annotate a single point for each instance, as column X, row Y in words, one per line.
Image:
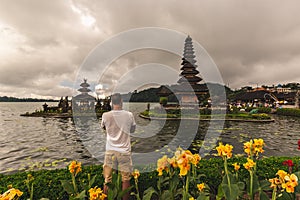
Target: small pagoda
column 189, row 90
column 84, row 101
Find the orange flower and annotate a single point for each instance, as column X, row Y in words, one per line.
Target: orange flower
column 293, row 180
column 274, row 182
column 11, row 194
column 288, row 186
column 195, row 159
column 75, row 167
column 249, row 164
column 183, row 159
column 96, row 194
column 287, row 181
column 224, row 150
column 201, row 187
column 162, row 164
column 236, row 166
column 172, row 162
column 253, row 147
column 281, row 174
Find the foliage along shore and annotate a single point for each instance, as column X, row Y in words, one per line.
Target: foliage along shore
column 14, row 99
column 47, row 183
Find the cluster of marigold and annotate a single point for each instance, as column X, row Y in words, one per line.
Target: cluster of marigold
column 285, row 181
column 182, row 159
column 75, row 167
column 253, row 147
column 11, row 194
column 95, row 193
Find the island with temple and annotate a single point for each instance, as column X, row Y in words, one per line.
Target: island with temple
column 81, row 105
column 192, row 98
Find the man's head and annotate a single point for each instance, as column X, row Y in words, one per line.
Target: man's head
column 116, row 99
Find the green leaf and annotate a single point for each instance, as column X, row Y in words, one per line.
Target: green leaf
column 256, row 185
column 220, row 194
column 231, row 192
column 82, row 195
column 174, row 183
column 148, row 193
column 166, row 195
column 68, row 187
column 92, row 181
column 265, row 185
column 203, row 197
column 123, row 192
column 263, row 196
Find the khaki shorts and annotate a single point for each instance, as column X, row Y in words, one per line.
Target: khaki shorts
column 116, row 160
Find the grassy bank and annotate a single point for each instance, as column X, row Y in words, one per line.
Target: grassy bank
column 47, row 183
column 176, row 114
column 288, row 112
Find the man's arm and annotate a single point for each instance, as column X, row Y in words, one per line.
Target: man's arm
column 133, row 126
column 132, row 129
column 102, row 123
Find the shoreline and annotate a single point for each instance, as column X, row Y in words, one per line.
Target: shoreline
column 190, row 118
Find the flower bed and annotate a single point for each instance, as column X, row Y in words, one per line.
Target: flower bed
column 184, row 176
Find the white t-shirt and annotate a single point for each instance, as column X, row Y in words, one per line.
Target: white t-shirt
column 118, row 124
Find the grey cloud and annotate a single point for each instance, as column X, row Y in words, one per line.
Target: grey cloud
column 250, row 41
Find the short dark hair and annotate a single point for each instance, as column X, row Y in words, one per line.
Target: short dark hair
column 116, row 99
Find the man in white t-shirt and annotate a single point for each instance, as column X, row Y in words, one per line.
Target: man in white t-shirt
column 118, row 124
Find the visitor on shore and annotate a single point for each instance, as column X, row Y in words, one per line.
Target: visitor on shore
column 118, row 124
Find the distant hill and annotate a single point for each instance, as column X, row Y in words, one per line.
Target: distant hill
column 150, row 95
column 14, row 99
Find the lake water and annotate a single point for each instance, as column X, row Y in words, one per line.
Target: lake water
column 28, row 143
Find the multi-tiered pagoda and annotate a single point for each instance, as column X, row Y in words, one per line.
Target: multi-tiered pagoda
column 189, row 72
column 84, row 101
column 189, row 88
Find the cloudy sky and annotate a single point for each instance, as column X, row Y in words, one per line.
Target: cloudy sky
column 44, row 43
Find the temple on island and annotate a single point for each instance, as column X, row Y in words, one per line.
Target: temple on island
column 188, row 90
column 84, row 101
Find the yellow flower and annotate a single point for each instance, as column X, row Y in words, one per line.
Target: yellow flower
column 253, row 147
column 249, row 164
column 75, row 167
column 195, row 159
column 224, row 150
column 11, row 194
column 96, row 194
column 136, row 174
column 293, row 180
column 184, row 168
column 247, row 147
column 162, row 164
column 288, row 186
column 201, row 187
column 172, row 162
column 236, row 166
column 281, row 174
column 274, row 182
column 183, row 159
column 191, row 198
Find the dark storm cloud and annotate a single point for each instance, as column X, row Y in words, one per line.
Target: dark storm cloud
column 251, row 41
